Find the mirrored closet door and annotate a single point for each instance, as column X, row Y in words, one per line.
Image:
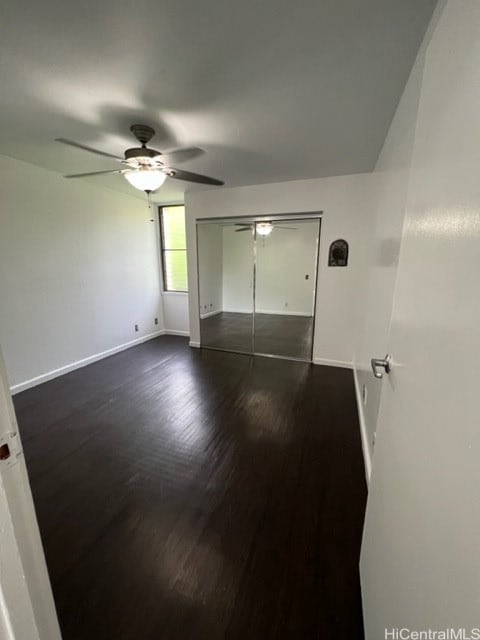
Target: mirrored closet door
column 226, row 289
column 257, row 285
column 286, row 274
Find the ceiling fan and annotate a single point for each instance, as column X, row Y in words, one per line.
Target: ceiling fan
column 263, row 228
column 146, row 169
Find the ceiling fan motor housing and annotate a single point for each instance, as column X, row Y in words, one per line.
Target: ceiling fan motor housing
column 142, row 132
column 141, row 152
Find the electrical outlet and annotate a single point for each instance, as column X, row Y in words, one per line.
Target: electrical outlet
column 286, row 304
column 364, row 393
column 156, row 321
column 211, row 305
column 136, row 327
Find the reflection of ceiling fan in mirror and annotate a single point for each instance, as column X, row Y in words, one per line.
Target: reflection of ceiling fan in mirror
column 146, row 169
column 263, row 228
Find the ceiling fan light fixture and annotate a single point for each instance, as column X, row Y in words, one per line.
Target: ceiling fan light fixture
column 147, row 169
column 145, row 179
column 264, row 228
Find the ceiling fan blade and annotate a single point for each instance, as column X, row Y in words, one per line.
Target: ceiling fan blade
column 244, row 229
column 178, row 174
column 92, row 173
column 287, row 228
column 181, row 155
column 71, row 143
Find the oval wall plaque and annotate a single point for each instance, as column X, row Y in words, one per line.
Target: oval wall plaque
column 338, row 253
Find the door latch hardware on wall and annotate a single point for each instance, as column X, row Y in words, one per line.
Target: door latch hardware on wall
column 10, row 449
column 4, row 452
column 379, row 362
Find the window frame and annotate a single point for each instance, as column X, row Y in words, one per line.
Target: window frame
column 163, row 250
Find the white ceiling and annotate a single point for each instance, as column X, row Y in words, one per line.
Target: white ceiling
column 271, row 89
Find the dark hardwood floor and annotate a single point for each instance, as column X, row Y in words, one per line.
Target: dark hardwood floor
column 282, row 335
column 227, row 330
column 273, row 334
column 196, row 494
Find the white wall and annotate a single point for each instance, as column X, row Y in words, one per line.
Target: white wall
column 238, row 259
column 345, row 201
column 175, row 313
column 78, row 269
column 283, row 259
column 420, row 565
column 390, row 186
column 391, row 183
column 210, row 264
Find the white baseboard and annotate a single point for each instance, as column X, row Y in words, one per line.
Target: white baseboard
column 55, row 373
column 245, row 311
column 363, row 429
column 174, row 332
column 194, row 344
column 210, row 313
column 303, row 314
column 333, row 363
column 267, row 312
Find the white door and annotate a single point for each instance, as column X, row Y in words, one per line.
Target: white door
column 27, row 611
column 420, row 562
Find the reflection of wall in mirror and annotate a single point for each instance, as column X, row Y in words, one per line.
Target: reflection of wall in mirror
column 210, row 257
column 237, row 270
column 283, row 259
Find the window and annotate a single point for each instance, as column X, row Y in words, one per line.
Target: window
column 174, row 248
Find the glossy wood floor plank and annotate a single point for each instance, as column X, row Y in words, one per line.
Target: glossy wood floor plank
column 287, row 336
column 196, row 494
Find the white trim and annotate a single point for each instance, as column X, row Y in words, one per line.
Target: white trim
column 246, row 311
column 285, row 313
column 363, row 429
column 194, row 344
column 333, row 363
column 55, row 373
column 267, row 311
column 174, row 332
column 174, row 293
column 5, row 621
column 210, row 313
column 27, row 609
